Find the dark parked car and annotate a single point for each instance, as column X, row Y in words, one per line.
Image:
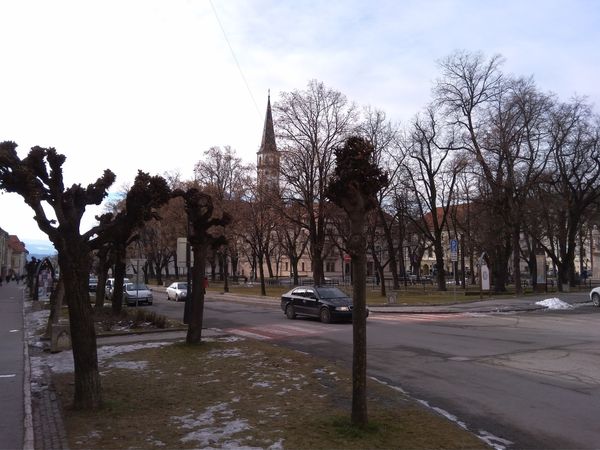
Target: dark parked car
column 326, row 303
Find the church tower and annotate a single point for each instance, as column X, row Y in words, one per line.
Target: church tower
column 268, row 157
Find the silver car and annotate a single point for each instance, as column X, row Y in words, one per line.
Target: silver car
column 595, row 296
column 177, row 291
column 136, row 293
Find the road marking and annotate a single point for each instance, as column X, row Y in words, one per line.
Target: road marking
column 416, row 317
column 14, row 331
column 12, row 375
column 270, row 332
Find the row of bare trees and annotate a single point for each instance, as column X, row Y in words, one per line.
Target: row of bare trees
column 482, row 162
column 58, row 210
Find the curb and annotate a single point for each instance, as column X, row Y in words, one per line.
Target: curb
column 28, row 439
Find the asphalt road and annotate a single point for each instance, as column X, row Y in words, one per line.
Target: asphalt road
column 530, row 378
column 11, row 366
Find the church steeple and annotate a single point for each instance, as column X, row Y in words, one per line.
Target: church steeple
column 267, row 144
column 268, row 156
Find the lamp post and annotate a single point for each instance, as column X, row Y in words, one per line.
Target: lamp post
column 188, row 261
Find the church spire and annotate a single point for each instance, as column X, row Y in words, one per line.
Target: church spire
column 267, row 144
column 268, row 156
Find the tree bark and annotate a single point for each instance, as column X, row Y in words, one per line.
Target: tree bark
column 75, row 264
column 359, row 319
column 194, row 333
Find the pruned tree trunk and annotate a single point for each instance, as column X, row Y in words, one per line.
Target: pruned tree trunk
column 194, row 333
column 358, row 254
column 75, row 272
column 56, row 302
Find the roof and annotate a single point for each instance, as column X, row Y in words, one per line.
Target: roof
column 16, row 245
column 267, row 144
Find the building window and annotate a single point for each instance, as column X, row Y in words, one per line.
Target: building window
column 302, row 267
column 286, row 267
column 330, row 266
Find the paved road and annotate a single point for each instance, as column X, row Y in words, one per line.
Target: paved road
column 11, row 366
column 531, row 378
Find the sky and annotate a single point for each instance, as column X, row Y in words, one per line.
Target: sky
column 152, row 84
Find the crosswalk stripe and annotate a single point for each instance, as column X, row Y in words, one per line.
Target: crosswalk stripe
column 274, row 332
column 416, row 317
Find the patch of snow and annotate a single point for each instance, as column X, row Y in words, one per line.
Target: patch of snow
column 277, row 445
column 131, row 365
column 554, row 303
column 494, row 441
column 206, row 433
column 231, row 339
column 263, row 384
column 108, row 351
column 446, row 414
column 229, row 353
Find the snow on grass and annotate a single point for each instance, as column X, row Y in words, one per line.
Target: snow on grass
column 554, row 303
column 228, row 353
column 214, row 427
column 130, row 365
column 63, row 362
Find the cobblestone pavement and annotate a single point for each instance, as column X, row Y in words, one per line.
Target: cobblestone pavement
column 48, row 427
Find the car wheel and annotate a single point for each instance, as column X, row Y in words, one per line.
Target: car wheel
column 290, row 313
column 596, row 299
column 325, row 315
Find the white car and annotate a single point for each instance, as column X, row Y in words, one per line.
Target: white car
column 177, row 291
column 110, row 287
column 595, row 296
column 136, row 293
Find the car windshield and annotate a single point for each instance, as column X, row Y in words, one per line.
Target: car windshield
column 182, row 286
column 330, row 292
column 136, row 287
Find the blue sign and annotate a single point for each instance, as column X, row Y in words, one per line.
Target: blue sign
column 454, row 249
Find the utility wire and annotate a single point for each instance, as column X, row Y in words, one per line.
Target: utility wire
column 234, row 57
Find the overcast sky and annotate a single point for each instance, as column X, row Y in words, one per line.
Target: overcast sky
column 151, row 85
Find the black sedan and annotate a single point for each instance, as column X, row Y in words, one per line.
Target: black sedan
column 326, row 303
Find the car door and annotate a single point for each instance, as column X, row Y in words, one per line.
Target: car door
column 297, row 300
column 311, row 302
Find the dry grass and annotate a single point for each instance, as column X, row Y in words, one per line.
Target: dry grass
column 413, row 295
column 228, row 394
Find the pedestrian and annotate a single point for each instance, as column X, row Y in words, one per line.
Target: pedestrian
column 7, row 279
column 205, row 284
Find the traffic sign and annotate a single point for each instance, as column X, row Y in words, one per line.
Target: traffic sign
column 454, row 249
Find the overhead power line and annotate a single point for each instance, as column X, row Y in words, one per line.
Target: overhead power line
column 234, row 57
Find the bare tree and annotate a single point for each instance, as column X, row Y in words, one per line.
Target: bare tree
column 38, row 178
column 205, row 232
column 146, row 195
column 223, row 175
column 354, row 188
column 574, row 182
column 387, row 154
column 433, row 169
column 309, row 125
